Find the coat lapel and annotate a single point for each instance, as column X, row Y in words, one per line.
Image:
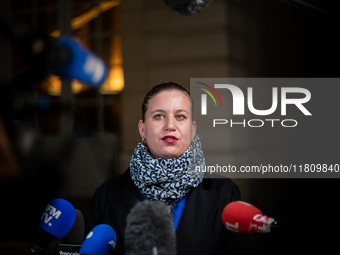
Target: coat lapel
column 198, row 214
column 125, row 194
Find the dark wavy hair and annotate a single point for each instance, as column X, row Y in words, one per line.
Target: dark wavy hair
column 166, row 86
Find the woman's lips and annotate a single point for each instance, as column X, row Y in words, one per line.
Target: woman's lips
column 170, row 139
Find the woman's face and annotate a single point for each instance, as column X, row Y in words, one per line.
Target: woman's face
column 168, row 129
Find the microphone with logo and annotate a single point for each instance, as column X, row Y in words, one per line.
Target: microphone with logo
column 72, row 241
column 242, row 217
column 101, row 240
column 56, row 221
column 69, row 59
column 150, row 230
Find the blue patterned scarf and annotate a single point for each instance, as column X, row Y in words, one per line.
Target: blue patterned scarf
column 167, row 179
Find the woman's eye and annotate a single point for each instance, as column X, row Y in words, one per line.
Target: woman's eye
column 180, row 117
column 158, row 117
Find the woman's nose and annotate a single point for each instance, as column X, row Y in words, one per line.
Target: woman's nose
column 170, row 124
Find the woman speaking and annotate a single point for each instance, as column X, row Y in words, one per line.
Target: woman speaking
column 164, row 167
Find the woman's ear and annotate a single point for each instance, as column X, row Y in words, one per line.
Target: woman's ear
column 193, row 130
column 141, row 128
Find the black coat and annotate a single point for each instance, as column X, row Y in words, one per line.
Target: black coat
column 200, row 230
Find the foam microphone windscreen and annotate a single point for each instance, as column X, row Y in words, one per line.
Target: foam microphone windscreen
column 58, row 217
column 101, row 240
column 149, row 227
column 77, row 232
column 237, row 216
column 188, row 7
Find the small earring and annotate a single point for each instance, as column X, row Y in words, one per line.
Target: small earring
column 144, row 142
column 192, row 143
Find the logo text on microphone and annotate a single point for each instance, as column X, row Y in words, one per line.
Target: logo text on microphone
column 49, row 213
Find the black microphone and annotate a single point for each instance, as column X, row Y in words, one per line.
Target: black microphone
column 187, row 7
column 150, row 230
column 71, row 243
column 56, row 221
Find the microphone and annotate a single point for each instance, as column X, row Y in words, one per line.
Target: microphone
column 101, row 240
column 245, row 218
column 55, row 221
column 71, row 60
column 150, row 230
column 187, row 7
column 73, row 240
